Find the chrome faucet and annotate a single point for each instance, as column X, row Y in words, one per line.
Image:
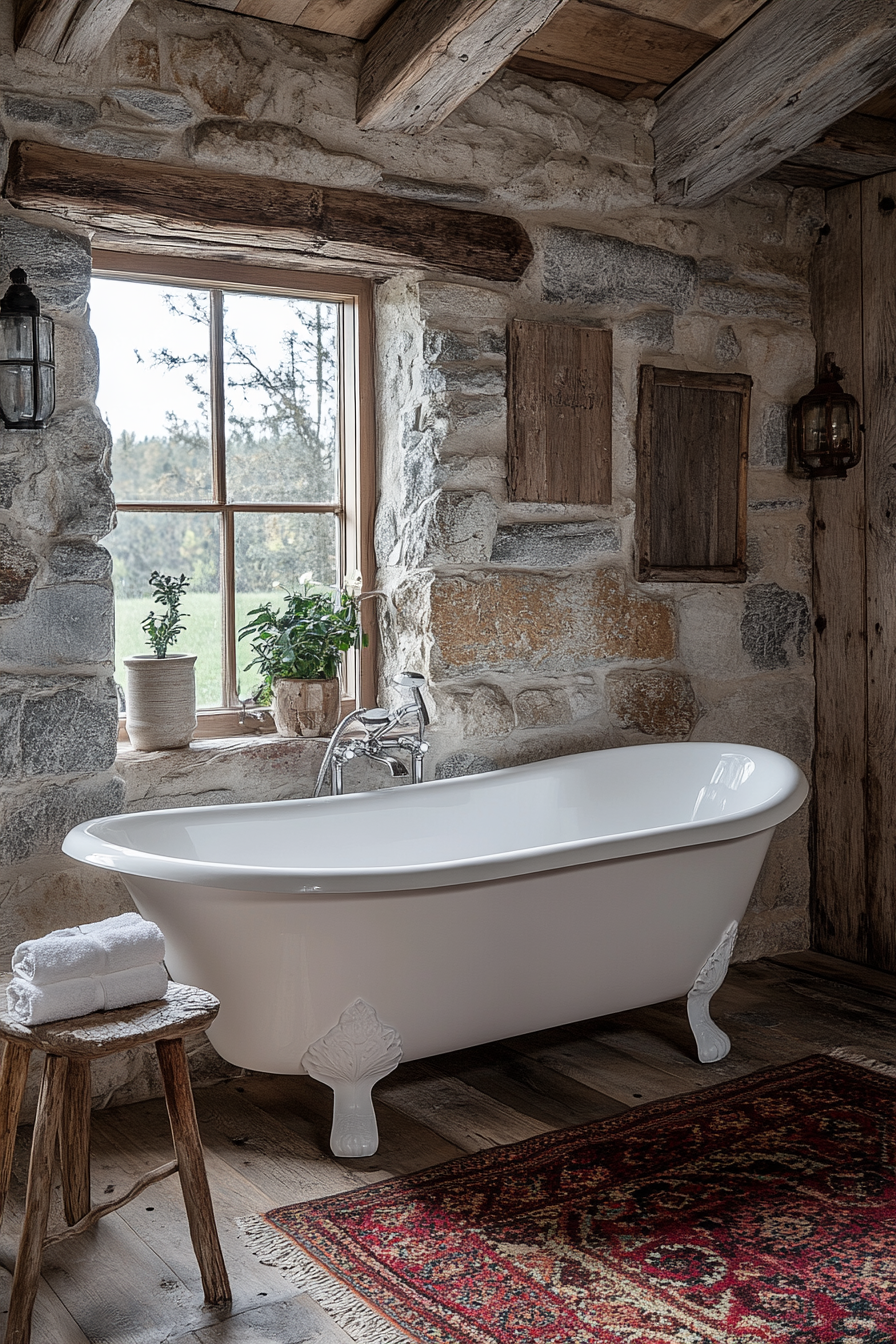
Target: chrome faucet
column 375, row 745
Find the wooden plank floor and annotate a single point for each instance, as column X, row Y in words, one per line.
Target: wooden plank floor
column 133, row 1280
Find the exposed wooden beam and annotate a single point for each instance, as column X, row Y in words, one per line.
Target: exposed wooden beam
column 430, row 55
column 854, row 147
column 769, row 91
column 151, row 201
column 68, row 30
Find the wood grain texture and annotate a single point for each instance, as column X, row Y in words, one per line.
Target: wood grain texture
column 716, row 18
column 879, row 328
column 854, row 147
column 429, row 55
column 183, row 1010
column 559, row 409
column 13, row 1076
column 839, row 916
column 608, row 41
column 148, row 199
column 620, row 89
column 349, row 18
column 69, row 30
column 769, row 91
column 37, row 1202
column 191, row 1168
column 692, row 448
column 74, row 1142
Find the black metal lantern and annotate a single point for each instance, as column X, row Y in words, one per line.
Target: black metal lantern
column 27, row 368
column 826, row 430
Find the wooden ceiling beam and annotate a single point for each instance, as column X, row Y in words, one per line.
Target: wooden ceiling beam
column 854, row 147
column 429, row 55
column 768, row 92
column 68, row 30
column 146, row 200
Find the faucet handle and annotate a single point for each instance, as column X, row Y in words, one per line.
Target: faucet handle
column 374, row 718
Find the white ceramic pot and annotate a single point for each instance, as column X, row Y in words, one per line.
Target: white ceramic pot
column 161, row 700
column 306, row 708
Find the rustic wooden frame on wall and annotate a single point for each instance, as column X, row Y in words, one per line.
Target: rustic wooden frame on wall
column 724, row 523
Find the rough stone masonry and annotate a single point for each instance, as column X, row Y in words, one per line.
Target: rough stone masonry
column 527, row 619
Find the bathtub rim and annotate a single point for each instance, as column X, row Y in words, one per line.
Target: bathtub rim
column 87, row 845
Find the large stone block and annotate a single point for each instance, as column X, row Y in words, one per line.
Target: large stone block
column 69, row 114
column 775, row 626
column 216, row 68
column 67, row 624
column 72, row 497
column 596, row 270
column 168, row 109
column 279, row 151
column 80, row 560
column 464, row 763
column 74, row 731
column 474, row 711
column 543, row 707
column 463, row 529
column 77, row 364
column 516, row 621
column 57, row 263
column 18, row 567
column 36, row 821
column 659, row 704
column 770, row 446
column 554, row 545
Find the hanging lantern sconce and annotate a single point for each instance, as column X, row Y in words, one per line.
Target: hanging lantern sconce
column 27, row 368
column 825, row 430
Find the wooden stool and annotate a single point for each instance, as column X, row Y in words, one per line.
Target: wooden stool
column 63, row 1112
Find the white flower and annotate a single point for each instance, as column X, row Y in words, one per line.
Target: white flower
column 306, row 577
column 353, row 583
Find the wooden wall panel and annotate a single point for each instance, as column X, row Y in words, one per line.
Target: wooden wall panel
column 879, row 323
column 692, row 475
column 839, row 914
column 559, row 408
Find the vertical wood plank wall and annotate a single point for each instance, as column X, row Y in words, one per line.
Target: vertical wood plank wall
column 854, row 585
column 879, row 327
column 840, row 882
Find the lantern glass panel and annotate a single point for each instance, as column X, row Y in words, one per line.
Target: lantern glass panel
column 45, row 340
column 841, row 429
column 815, row 422
column 17, row 392
column 46, row 398
column 16, row 336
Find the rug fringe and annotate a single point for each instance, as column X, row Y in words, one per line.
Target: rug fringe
column 357, row 1319
column 853, row 1057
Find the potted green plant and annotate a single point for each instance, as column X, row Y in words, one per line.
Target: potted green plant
column 299, row 649
column 161, row 691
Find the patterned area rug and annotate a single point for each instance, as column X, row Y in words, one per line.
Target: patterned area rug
column 762, row 1210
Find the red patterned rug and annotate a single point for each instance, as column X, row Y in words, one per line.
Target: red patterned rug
column 762, row 1210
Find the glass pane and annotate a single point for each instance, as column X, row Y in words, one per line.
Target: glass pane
column 174, row 543
column 154, row 388
column 17, row 391
column 16, row 337
column 278, row 548
column 281, row 380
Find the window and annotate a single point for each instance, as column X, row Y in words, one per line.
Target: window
column 239, row 404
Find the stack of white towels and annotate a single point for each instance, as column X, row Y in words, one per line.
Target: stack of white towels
column 114, row 963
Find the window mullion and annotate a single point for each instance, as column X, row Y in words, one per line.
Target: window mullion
column 219, row 483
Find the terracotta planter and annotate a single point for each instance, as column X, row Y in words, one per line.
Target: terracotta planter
column 161, row 700
column 306, row 708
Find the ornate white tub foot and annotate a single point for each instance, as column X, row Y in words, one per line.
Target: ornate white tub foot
column 350, row 1058
column 712, row 1043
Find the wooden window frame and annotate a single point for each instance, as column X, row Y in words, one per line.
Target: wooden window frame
column 357, row 444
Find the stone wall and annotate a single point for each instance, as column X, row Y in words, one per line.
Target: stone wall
column 526, row 618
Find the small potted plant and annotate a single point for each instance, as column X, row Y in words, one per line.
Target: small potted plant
column 161, row 694
column 298, row 651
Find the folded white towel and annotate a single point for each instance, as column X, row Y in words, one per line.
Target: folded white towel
column 102, row 948
column 33, row 1004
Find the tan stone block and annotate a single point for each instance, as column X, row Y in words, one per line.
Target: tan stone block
column 542, row 707
column 660, row 704
column 518, row 620
column 474, row 711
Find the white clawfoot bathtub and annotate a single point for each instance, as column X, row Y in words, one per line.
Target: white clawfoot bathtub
column 456, row 912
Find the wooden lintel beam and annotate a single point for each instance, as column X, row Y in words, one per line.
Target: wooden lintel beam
column 429, row 55
column 768, row 92
column 68, row 30
column 148, row 200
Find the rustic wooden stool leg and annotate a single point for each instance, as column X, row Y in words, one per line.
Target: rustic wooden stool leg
column 191, row 1169
column 13, row 1073
column 74, row 1141
column 37, row 1201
